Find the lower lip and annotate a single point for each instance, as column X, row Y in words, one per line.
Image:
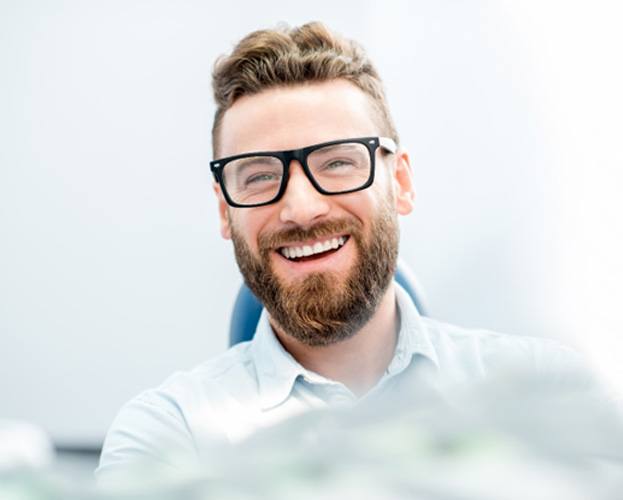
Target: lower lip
column 331, row 261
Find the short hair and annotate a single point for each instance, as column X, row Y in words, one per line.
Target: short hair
column 287, row 56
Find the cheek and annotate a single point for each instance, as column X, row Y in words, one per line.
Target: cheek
column 378, row 198
column 384, row 190
column 383, row 180
column 362, row 205
column 249, row 225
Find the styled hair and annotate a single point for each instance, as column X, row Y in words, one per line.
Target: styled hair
column 287, row 56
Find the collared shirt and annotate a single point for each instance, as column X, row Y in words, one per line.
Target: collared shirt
column 257, row 384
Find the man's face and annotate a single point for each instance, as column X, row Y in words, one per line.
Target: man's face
column 327, row 297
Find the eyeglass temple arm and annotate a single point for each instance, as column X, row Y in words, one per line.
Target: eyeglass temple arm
column 388, row 144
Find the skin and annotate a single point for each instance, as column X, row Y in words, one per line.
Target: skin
column 297, row 116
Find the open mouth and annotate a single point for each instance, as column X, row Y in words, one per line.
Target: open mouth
column 318, row 250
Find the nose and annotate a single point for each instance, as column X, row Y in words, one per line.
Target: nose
column 302, row 204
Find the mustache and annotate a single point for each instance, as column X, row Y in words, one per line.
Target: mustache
column 277, row 239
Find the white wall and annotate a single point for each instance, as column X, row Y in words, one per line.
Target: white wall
column 112, row 272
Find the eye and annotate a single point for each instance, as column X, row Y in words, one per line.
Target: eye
column 337, row 164
column 261, row 177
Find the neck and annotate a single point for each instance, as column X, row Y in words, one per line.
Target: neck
column 359, row 361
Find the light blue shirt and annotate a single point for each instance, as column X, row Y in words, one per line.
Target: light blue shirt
column 257, row 384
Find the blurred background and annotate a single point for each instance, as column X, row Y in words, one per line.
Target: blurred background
column 112, row 271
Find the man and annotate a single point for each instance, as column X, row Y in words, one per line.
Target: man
column 310, row 178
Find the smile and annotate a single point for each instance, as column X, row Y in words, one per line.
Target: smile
column 313, row 250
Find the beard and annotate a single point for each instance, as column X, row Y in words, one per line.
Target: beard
column 318, row 309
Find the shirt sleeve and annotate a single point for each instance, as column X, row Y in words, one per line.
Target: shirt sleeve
column 148, row 438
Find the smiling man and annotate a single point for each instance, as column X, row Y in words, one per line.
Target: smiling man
column 314, row 224
column 310, row 179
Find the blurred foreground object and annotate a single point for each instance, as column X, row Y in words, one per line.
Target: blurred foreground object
column 517, row 437
column 23, row 445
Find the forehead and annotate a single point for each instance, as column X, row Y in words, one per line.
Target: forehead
column 297, row 116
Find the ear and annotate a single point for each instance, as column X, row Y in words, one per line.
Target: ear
column 403, row 183
column 223, row 212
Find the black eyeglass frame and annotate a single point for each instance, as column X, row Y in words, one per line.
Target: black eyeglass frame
column 286, row 157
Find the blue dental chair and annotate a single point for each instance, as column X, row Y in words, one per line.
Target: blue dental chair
column 247, row 308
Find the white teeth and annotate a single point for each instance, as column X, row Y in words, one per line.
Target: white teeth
column 318, row 247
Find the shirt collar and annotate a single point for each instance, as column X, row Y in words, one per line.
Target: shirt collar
column 277, row 370
column 413, row 336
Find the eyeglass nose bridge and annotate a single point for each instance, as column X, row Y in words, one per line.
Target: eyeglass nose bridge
column 300, row 155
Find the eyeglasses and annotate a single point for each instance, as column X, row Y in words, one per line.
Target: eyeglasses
column 336, row 167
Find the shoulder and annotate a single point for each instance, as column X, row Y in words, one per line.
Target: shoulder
column 230, row 373
column 487, row 351
column 227, row 371
column 161, row 425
